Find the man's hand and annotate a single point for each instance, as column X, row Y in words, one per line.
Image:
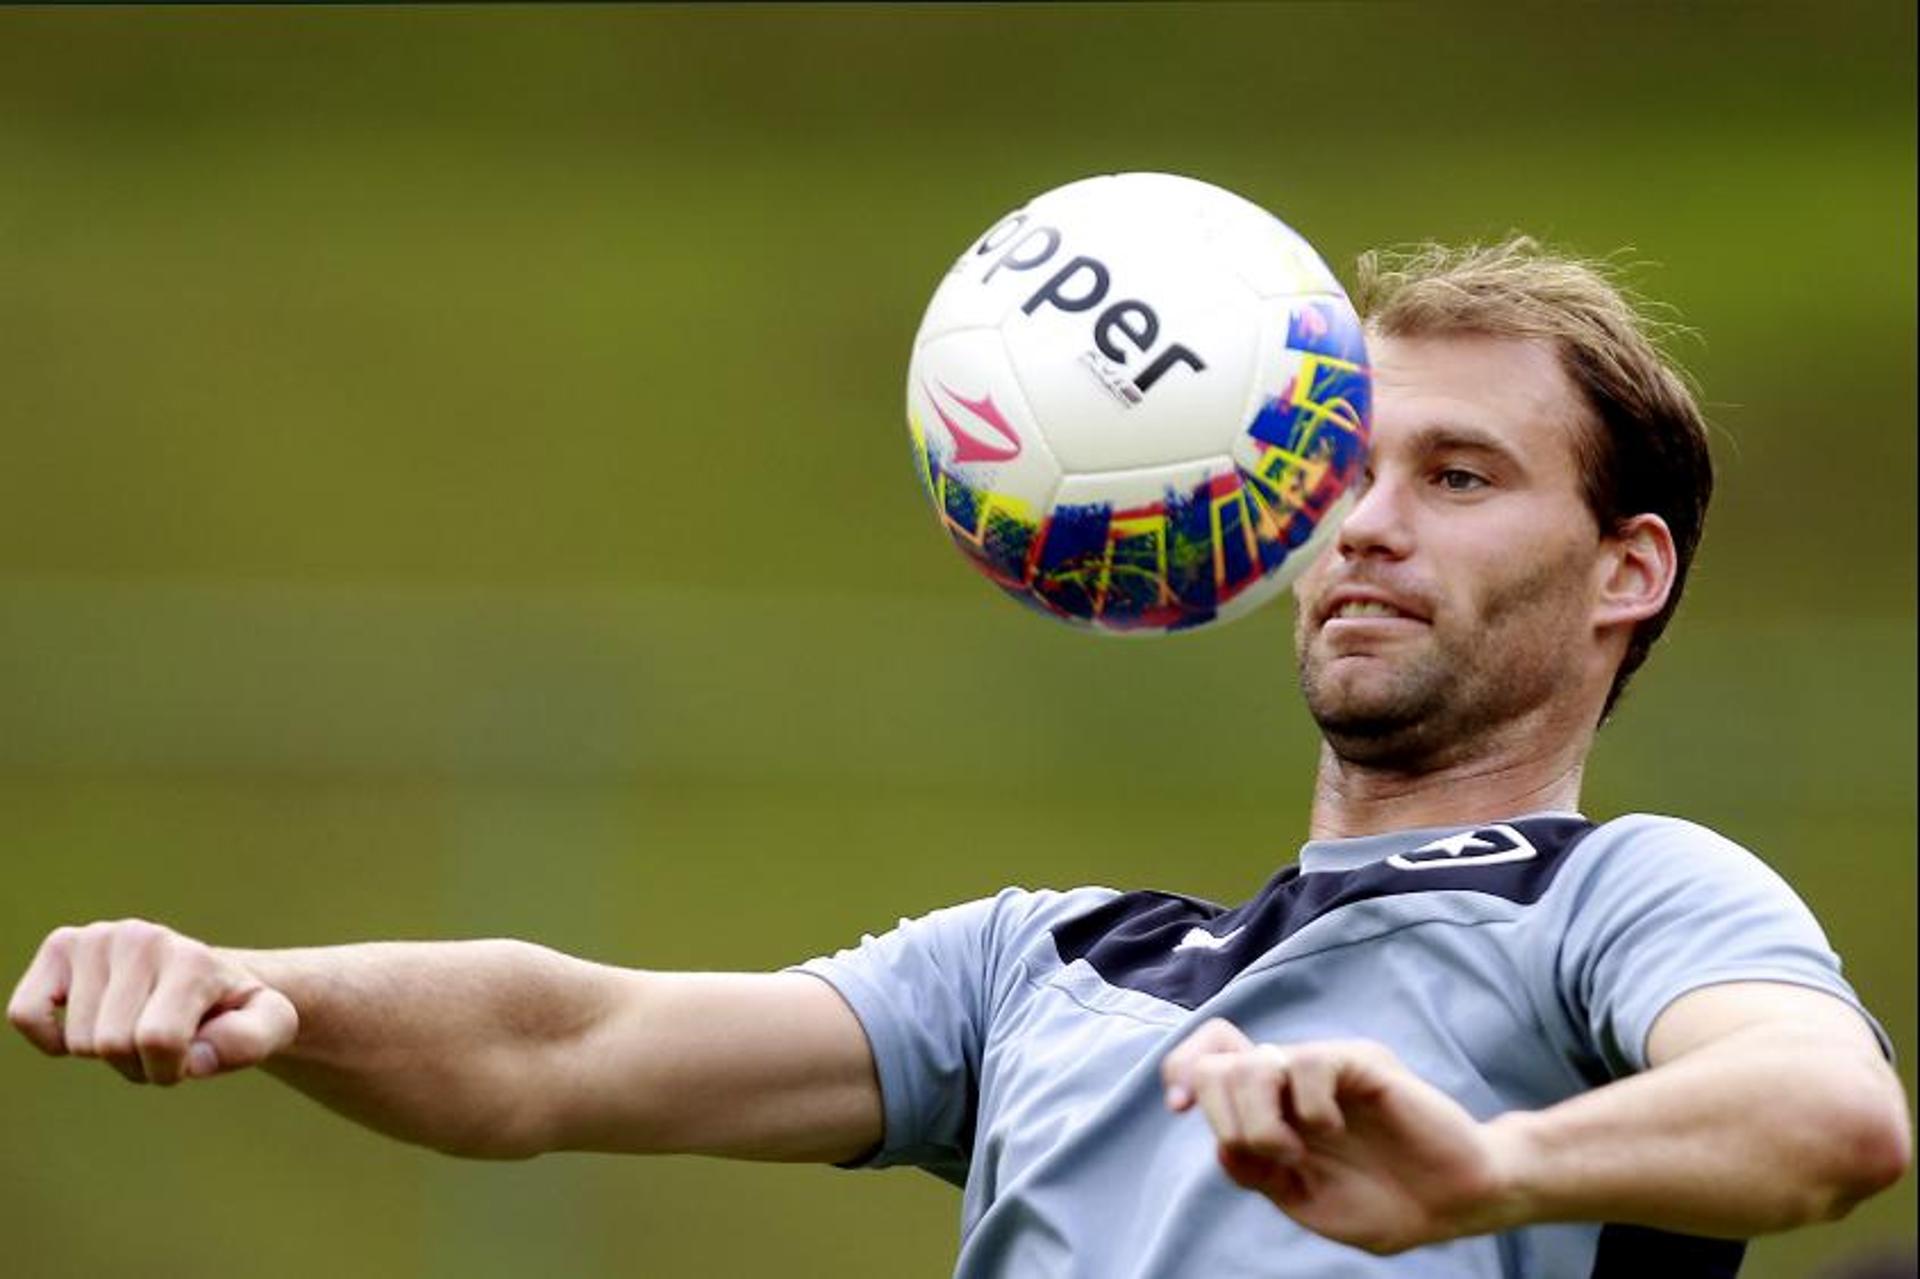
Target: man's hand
column 156, row 1006
column 1342, row 1138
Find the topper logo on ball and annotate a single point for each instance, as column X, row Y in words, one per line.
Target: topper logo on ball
column 1125, row 328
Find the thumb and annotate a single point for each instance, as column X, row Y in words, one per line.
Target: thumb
column 244, row 1035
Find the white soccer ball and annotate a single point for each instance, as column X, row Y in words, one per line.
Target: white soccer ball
column 1138, row 403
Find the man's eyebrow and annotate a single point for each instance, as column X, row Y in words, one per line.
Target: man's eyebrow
column 1443, row 436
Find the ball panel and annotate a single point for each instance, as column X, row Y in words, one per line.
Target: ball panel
column 960, row 301
column 976, row 418
column 1273, row 259
column 1316, row 422
column 1156, row 409
column 1187, row 546
column 1236, row 236
column 1152, row 550
column 1004, row 264
column 978, row 452
column 1304, row 448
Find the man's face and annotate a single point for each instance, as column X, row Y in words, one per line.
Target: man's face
column 1459, row 595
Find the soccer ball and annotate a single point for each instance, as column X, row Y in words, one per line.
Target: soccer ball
column 1138, row 403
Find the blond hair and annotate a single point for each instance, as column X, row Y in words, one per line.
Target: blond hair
column 1645, row 450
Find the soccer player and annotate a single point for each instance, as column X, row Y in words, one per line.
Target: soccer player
column 1469, row 1032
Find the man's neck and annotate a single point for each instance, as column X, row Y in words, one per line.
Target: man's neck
column 1352, row 799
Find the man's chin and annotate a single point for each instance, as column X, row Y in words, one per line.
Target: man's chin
column 1387, row 742
column 1363, row 725
column 1369, row 725
column 1363, row 695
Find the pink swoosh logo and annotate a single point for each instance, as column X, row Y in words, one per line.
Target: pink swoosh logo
column 969, row 447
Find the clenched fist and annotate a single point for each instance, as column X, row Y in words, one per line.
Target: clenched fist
column 156, row 1006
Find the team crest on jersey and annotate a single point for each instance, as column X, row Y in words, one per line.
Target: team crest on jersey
column 1483, row 846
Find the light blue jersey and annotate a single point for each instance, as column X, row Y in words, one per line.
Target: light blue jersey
column 1018, row 1039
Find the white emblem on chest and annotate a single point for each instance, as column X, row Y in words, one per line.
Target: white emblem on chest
column 1201, row 939
column 1486, row 846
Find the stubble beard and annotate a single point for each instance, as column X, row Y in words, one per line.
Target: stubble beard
column 1397, row 720
column 1441, row 701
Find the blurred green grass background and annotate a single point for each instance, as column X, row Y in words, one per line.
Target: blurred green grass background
column 453, row 484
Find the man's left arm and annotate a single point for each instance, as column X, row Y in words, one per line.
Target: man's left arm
column 1766, row 1106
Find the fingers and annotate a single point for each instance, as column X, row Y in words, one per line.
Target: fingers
column 133, row 953
column 86, row 983
column 34, row 1009
column 1176, row 1071
column 1213, row 1092
column 1241, row 1095
column 164, row 1032
column 1241, row 1088
column 1312, row 1076
column 1267, row 1104
column 1256, row 1082
column 136, row 995
column 1250, row 1171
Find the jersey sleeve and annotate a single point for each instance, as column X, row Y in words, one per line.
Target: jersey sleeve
column 926, row 994
column 1663, row 907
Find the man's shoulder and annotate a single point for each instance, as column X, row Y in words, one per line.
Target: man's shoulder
column 1016, row 918
column 1631, row 824
column 1663, row 835
column 1647, row 856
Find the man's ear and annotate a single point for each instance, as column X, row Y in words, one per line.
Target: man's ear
column 1636, row 571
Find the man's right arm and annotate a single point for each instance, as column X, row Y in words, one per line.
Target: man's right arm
column 490, row 1049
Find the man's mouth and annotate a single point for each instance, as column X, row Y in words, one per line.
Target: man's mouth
column 1357, row 605
column 1366, row 608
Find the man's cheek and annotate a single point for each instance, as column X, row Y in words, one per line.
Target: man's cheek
column 1304, row 603
column 1307, row 589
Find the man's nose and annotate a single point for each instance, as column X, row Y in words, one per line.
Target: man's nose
column 1377, row 524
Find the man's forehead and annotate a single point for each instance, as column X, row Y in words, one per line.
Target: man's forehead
column 1515, row 387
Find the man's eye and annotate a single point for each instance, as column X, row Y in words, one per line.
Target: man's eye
column 1455, row 480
